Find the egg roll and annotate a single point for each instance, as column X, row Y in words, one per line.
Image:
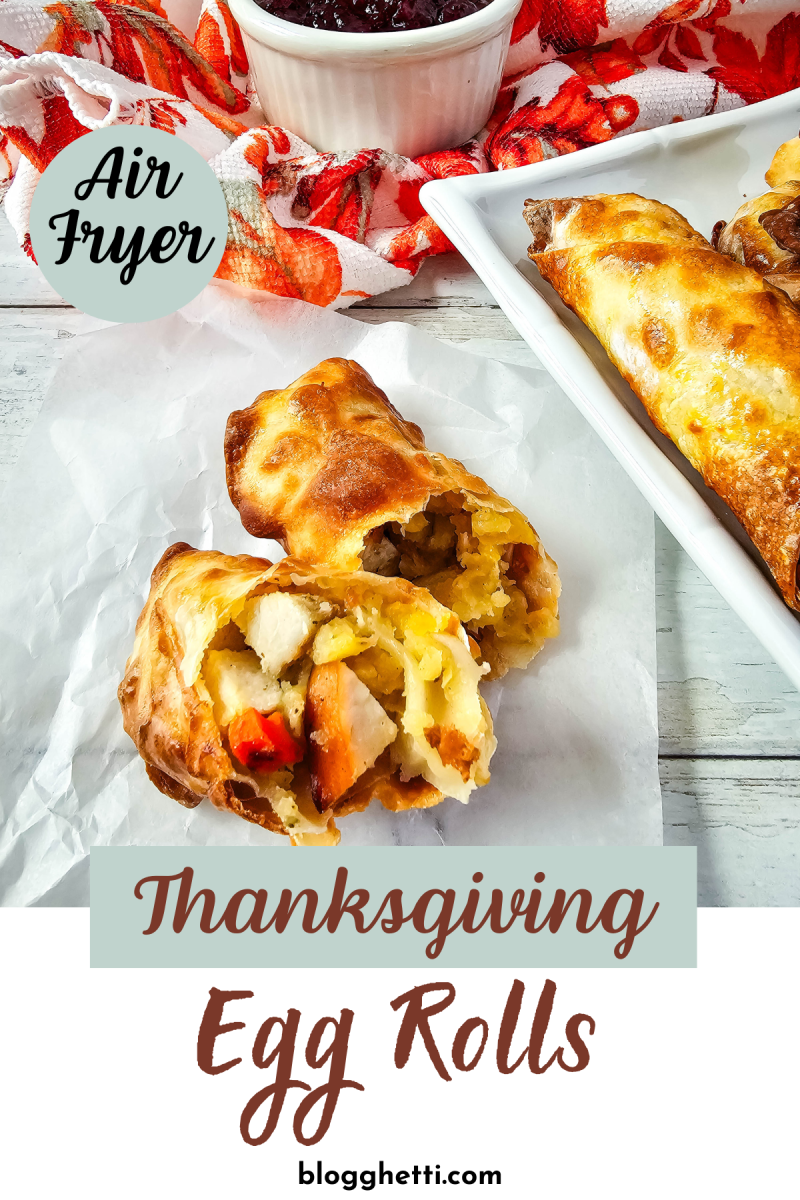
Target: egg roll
column 710, row 348
column 765, row 234
column 292, row 695
column 785, row 163
column 329, row 468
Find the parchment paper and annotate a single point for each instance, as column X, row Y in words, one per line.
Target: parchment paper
column 126, row 458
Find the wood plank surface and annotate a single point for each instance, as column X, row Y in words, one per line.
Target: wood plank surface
column 31, row 344
column 21, row 284
column 744, row 818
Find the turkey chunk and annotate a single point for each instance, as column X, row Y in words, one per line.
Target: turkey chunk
column 235, row 682
column 346, row 728
column 279, row 626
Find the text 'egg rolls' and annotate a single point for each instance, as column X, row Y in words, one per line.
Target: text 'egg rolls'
column 709, row 347
column 291, row 695
column 330, row 469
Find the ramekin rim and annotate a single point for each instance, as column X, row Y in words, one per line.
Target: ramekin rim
column 332, row 42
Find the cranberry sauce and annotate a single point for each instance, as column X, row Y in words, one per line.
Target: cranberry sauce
column 371, row 16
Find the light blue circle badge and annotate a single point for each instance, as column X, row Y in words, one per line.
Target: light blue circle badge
column 128, row 223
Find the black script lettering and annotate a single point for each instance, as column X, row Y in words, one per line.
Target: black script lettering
column 113, row 180
column 85, row 188
column 183, row 226
column 160, row 245
column 194, row 246
column 153, row 167
column 163, row 175
column 96, row 234
column 117, row 253
column 135, row 251
column 211, row 1029
column 71, row 234
column 133, row 175
column 417, row 1018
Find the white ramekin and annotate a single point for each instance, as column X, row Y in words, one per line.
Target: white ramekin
column 410, row 92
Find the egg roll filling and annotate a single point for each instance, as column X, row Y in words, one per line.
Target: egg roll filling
column 764, row 234
column 477, row 562
column 783, row 225
column 380, row 685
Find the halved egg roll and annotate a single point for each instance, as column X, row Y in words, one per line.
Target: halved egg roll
column 291, row 695
column 330, row 469
column 709, row 347
column 765, row 234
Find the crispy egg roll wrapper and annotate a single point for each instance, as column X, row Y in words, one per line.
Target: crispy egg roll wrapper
column 765, row 234
column 709, row 347
column 785, row 164
column 330, row 469
column 391, row 634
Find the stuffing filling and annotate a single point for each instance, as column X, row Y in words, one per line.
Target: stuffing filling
column 309, row 695
column 477, row 562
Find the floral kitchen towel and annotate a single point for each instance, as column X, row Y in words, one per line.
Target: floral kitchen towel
column 332, row 228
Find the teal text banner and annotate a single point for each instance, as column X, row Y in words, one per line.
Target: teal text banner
column 394, row 907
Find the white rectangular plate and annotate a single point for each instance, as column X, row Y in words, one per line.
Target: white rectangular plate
column 704, row 169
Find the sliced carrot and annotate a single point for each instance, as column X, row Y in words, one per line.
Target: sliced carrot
column 262, row 743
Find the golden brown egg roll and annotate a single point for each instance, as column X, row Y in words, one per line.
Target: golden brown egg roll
column 330, row 469
column 785, row 164
column 765, row 235
column 292, row 695
column 710, row 348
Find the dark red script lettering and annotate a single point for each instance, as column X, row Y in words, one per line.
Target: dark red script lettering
column 417, row 1019
column 262, row 1112
column 432, row 912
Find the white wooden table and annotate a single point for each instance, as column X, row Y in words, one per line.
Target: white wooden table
column 729, row 718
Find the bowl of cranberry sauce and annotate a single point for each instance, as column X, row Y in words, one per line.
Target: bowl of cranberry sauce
column 371, row 16
column 408, row 76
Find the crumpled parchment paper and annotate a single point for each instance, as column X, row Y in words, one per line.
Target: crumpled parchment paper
column 127, row 457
